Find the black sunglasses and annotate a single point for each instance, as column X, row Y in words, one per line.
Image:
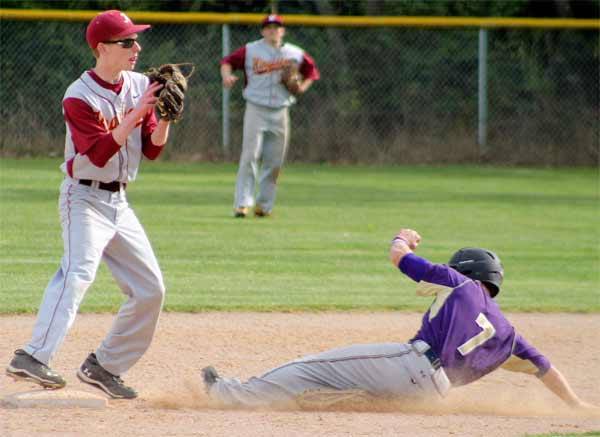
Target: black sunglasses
column 125, row 43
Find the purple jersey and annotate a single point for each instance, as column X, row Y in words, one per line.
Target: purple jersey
column 465, row 326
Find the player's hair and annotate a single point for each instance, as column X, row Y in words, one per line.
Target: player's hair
column 479, row 264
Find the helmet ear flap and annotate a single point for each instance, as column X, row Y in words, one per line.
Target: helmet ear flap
column 492, row 288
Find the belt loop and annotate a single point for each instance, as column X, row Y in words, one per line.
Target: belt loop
column 422, row 349
column 95, row 184
column 419, row 346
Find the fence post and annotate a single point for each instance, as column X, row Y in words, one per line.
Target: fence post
column 226, row 48
column 482, row 93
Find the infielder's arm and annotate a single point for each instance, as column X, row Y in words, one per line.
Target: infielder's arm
column 91, row 136
column 161, row 134
column 129, row 122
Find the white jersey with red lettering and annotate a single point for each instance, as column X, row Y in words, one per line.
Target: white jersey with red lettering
column 263, row 67
column 110, row 108
column 266, row 121
column 98, row 224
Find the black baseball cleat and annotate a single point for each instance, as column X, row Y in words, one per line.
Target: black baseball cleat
column 24, row 367
column 209, row 376
column 91, row 372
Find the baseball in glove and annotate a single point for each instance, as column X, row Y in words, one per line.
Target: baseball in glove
column 170, row 97
column 291, row 78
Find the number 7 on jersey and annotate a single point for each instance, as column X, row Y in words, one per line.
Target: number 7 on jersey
column 488, row 332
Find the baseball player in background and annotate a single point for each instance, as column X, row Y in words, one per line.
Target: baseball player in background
column 266, row 119
column 463, row 337
column 110, row 125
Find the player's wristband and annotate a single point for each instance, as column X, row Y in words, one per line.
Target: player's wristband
column 400, row 239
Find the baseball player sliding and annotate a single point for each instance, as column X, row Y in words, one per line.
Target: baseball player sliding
column 111, row 124
column 463, row 337
column 266, row 120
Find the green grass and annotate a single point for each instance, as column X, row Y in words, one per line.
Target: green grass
column 326, row 247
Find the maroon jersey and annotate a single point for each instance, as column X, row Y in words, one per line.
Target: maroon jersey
column 465, row 326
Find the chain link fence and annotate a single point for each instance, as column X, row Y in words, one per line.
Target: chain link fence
column 386, row 95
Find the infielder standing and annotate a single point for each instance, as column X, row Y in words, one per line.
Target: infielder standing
column 463, row 337
column 266, row 120
column 110, row 123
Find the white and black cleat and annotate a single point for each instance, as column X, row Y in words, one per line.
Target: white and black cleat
column 23, row 367
column 91, row 372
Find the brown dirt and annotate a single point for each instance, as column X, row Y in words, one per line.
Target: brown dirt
column 172, row 401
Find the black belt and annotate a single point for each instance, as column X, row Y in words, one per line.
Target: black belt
column 433, row 358
column 113, row 186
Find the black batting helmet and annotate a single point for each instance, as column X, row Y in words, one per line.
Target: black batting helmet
column 480, row 264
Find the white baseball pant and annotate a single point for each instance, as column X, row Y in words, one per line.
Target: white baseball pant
column 266, row 137
column 386, row 369
column 99, row 225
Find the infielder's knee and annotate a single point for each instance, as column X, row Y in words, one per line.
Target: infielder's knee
column 158, row 296
column 84, row 273
column 78, row 283
column 152, row 297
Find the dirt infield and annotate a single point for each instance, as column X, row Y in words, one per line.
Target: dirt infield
column 243, row 344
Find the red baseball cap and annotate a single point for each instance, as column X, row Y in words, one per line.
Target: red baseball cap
column 272, row 19
column 111, row 24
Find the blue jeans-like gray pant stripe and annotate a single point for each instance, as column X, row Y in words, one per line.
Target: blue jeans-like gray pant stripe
column 266, row 137
column 386, row 369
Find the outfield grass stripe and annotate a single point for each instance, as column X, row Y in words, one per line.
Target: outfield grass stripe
column 326, row 247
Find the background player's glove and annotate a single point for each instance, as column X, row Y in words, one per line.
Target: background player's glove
column 291, row 78
column 170, row 98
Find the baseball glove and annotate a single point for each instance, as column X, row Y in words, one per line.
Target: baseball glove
column 170, row 97
column 291, row 78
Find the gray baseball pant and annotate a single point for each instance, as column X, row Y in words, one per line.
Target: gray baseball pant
column 99, row 225
column 266, row 137
column 386, row 369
